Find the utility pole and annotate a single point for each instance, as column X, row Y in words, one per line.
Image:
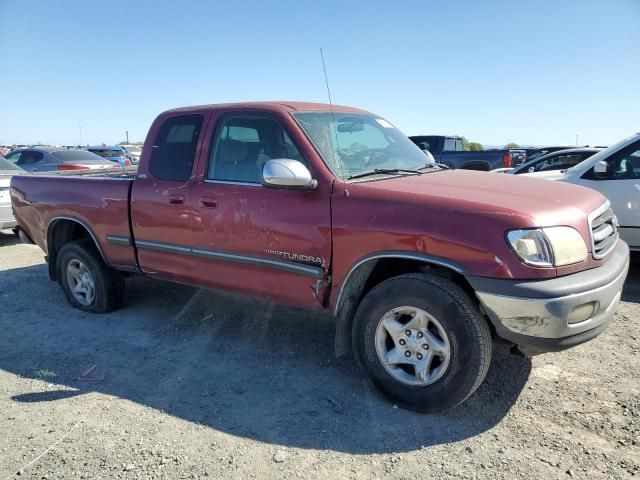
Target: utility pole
column 576, row 139
column 80, row 128
column 127, row 133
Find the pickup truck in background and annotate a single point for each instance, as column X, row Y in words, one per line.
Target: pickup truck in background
column 332, row 208
column 448, row 151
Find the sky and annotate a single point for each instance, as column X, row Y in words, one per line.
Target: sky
column 534, row 72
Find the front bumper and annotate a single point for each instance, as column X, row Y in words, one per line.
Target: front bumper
column 6, row 217
column 552, row 315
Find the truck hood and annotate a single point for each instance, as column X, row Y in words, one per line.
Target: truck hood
column 528, row 202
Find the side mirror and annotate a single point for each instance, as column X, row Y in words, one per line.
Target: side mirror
column 601, row 170
column 287, row 173
column 531, row 169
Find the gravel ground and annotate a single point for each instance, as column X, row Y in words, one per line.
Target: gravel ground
column 187, row 383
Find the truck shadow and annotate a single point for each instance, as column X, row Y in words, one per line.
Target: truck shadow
column 247, row 368
column 631, row 291
column 7, row 238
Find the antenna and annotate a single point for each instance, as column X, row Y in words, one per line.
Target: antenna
column 333, row 117
column 326, row 80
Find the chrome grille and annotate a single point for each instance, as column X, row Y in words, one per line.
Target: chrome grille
column 604, row 230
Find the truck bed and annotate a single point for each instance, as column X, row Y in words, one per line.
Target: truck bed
column 97, row 201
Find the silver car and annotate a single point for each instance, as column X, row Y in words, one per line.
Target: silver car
column 54, row 159
column 7, row 170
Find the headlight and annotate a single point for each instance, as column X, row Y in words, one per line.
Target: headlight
column 548, row 247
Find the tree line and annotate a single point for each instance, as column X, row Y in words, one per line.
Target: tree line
column 468, row 146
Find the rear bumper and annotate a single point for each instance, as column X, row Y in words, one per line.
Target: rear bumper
column 552, row 315
column 7, row 219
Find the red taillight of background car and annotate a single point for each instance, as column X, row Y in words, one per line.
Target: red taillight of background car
column 127, row 162
column 72, row 167
column 507, row 159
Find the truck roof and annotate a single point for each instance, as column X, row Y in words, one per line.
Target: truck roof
column 271, row 105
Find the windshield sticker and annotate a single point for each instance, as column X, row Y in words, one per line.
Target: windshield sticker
column 383, row 123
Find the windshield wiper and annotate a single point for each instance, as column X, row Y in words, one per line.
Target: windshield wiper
column 379, row 171
column 442, row 166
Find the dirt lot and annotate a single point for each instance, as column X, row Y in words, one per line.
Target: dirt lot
column 186, row 383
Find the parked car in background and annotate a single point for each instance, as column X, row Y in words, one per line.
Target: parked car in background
column 57, row 159
column 332, row 208
column 535, row 153
column 134, row 152
column 113, row 153
column 7, row 170
column 614, row 172
column 559, row 160
column 448, row 151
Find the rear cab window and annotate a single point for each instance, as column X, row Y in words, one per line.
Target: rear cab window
column 174, row 148
column 452, row 144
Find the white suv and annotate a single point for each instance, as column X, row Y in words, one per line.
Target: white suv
column 7, row 170
column 614, row 172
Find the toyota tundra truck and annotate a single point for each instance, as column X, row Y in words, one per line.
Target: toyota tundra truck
column 332, row 208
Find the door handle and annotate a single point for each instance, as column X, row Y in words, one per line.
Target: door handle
column 207, row 202
column 176, row 199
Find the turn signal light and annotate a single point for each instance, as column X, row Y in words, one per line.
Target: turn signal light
column 582, row 312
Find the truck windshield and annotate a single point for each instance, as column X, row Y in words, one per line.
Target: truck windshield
column 352, row 143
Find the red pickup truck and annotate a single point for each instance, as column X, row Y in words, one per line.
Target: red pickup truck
column 333, row 208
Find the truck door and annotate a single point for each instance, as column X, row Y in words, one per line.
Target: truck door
column 250, row 238
column 160, row 206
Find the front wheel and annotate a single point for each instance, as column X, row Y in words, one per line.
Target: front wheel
column 89, row 283
column 422, row 342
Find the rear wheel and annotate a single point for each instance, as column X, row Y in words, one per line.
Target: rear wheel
column 89, row 283
column 422, row 342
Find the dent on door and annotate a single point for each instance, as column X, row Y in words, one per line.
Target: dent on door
column 262, row 241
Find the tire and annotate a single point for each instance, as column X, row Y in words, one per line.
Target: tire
column 108, row 285
column 447, row 343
